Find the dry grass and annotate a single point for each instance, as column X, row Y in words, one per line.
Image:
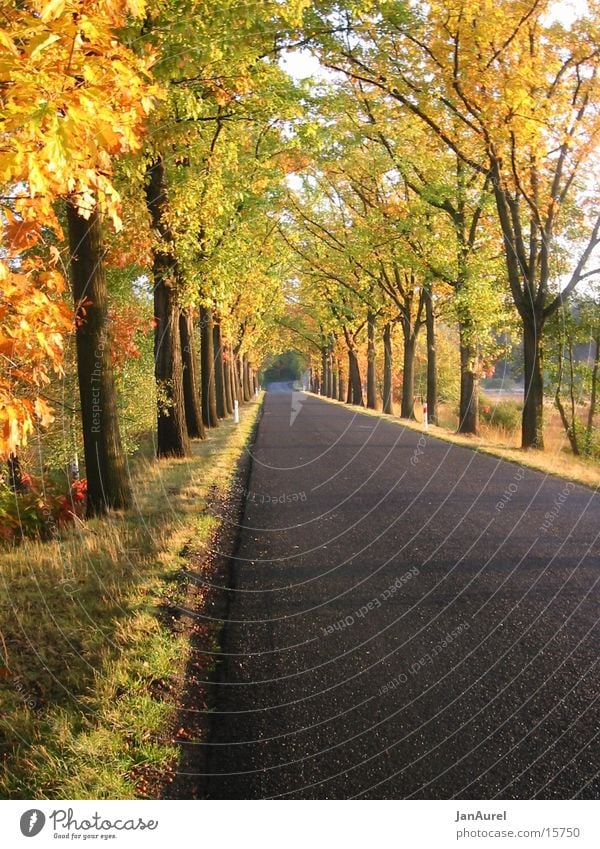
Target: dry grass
column 81, row 638
column 556, row 459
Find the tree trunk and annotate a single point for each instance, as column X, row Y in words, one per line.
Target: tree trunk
column 589, row 435
column 432, row 377
column 227, row 379
column 407, row 409
column 246, row 378
column 388, row 404
column 334, row 380
column 207, row 356
column 324, row 370
column 219, row 376
column 468, row 410
column 341, row 383
column 349, row 389
column 235, row 375
column 569, row 427
column 191, row 385
column 355, row 379
column 172, row 434
column 371, row 376
column 15, row 474
column 239, row 380
column 533, row 409
column 107, row 479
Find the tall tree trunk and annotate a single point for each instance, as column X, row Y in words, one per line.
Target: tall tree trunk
column 324, row 371
column 349, row 389
column 432, row 374
column 589, row 431
column 207, row 357
column 227, row 379
column 172, row 434
column 388, row 404
column 355, row 379
column 246, row 378
column 341, row 384
column 191, row 385
column 334, row 379
column 468, row 410
column 237, row 373
column 407, row 410
column 15, row 474
column 371, row 376
column 108, row 483
column 219, row 376
column 533, row 408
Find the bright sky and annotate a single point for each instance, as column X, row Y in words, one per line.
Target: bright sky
column 301, row 64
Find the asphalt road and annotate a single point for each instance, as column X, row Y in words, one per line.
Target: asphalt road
column 410, row 619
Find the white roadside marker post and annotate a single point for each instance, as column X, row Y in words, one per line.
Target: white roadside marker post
column 425, row 419
column 236, row 412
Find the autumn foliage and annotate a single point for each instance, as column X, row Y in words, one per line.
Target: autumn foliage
column 72, row 97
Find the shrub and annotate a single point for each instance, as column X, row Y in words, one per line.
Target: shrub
column 506, row 414
column 37, row 512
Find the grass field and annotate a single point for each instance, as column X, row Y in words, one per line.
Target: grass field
column 90, row 669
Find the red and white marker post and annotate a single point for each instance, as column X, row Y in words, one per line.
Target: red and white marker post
column 425, row 419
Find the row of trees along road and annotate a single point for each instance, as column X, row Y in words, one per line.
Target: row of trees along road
column 145, row 137
column 442, row 169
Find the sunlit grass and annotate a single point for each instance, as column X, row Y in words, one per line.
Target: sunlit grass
column 81, row 640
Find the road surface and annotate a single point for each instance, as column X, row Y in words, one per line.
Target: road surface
column 410, row 619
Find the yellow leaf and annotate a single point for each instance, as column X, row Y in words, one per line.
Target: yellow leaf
column 52, row 10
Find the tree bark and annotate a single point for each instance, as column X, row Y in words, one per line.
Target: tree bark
column 172, row 435
column 341, row 382
column 533, row 407
column 227, row 379
column 371, row 375
column 593, row 398
column 388, row 404
column 432, row 374
column 246, row 378
column 107, row 480
column 407, row 409
column 349, row 389
column 207, row 356
column 468, row 412
column 355, row 379
column 15, row 474
column 191, row 385
column 219, row 376
column 239, row 379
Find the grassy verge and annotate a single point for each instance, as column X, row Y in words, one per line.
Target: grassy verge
column 553, row 461
column 86, row 656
